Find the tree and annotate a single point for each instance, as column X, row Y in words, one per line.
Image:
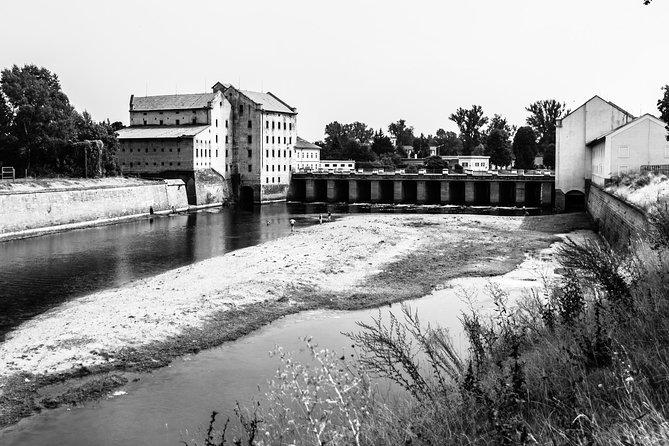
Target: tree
column 359, row 132
column 353, row 150
column 381, row 144
column 435, row 163
column 421, row 147
column 525, row 147
column 470, row 122
column 543, row 116
column 41, row 117
column 335, row 131
column 498, row 147
column 402, row 133
column 663, row 107
column 549, row 156
column 448, row 143
column 500, row 123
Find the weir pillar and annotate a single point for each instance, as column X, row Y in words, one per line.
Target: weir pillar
column 353, row 194
column 375, row 191
column 332, row 191
column 494, row 193
column 421, row 192
column 520, row 193
column 398, row 192
column 546, row 194
column 445, row 192
column 470, row 194
column 310, row 189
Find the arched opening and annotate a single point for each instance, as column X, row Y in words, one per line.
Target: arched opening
column 387, row 189
column 432, row 192
column 482, row 193
column 507, row 193
column 532, row 194
column 409, row 192
column 246, row 195
column 458, row 192
column 574, row 201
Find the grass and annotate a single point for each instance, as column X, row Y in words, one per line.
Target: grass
column 585, row 362
column 407, row 278
column 645, row 189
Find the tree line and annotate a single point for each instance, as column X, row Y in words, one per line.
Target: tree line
column 478, row 134
column 42, row 134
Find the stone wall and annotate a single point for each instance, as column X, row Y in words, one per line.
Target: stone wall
column 210, row 187
column 44, row 207
column 618, row 221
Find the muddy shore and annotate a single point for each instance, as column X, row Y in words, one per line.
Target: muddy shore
column 94, row 343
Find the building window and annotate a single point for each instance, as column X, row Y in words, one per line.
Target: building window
column 267, row 139
column 622, row 169
column 226, row 139
column 160, row 113
column 290, row 140
column 289, row 154
column 178, row 164
column 250, row 167
column 284, row 126
column 272, row 140
column 272, row 167
column 177, row 122
column 284, row 153
column 217, row 123
column 284, row 167
column 241, row 109
column 278, row 153
column 284, row 139
column 250, row 124
column 266, row 124
column 226, row 123
column 249, row 153
column 145, row 122
column 161, row 122
column 623, row 152
column 226, row 153
column 266, row 168
column 272, row 153
column 273, row 125
column 194, row 121
column 291, row 126
column 249, row 139
column 272, row 177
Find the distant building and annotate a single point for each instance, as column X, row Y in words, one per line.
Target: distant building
column 600, row 140
column 307, row 156
column 342, row 166
column 474, row 162
column 241, row 142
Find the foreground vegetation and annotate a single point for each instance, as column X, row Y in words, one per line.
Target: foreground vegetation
column 584, row 362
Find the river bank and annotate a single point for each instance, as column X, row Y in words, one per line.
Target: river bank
column 355, row 262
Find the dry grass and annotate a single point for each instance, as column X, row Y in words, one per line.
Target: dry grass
column 644, row 190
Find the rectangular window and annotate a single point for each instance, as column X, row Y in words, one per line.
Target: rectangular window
column 250, row 124
column 623, row 152
column 226, row 139
column 161, row 122
column 217, row 123
column 267, row 139
column 622, row 169
column 284, row 126
column 284, row 139
column 291, row 126
column 266, row 153
column 250, row 168
column 177, row 122
column 216, row 153
column 249, row 139
column 278, row 153
column 272, row 153
column 290, row 140
column 250, row 154
column 194, row 121
column 272, row 140
column 266, row 124
column 226, row 123
column 145, row 122
column 216, row 138
column 226, row 153
column 241, row 109
column 272, row 167
column 273, row 125
column 284, row 153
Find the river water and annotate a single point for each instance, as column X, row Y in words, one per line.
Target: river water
column 169, row 404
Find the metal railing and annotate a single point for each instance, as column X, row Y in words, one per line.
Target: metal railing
column 657, row 168
column 8, row 173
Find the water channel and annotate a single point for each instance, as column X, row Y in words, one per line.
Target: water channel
column 167, row 405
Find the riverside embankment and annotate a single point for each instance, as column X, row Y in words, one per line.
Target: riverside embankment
column 356, row 262
column 34, row 207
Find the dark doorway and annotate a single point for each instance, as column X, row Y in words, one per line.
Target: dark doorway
column 320, row 190
column 191, row 195
column 298, row 190
column 574, row 201
column 246, row 195
column 457, row 192
column 409, row 192
column 364, row 191
column 432, row 192
column 532, row 194
column 481, row 193
column 340, row 191
column 507, row 193
column 387, row 190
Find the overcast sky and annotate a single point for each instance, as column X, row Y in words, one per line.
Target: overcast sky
column 369, row 61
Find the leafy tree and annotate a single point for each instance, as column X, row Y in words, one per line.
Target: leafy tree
column 435, row 163
column 448, row 143
column 353, row 150
column 421, row 147
column 543, row 116
column 402, row 133
column 549, row 156
column 498, row 147
column 335, row 131
column 390, row 160
column 500, row 123
column 525, row 147
column 381, row 144
column 663, row 107
column 41, row 120
column 470, row 122
column 359, row 132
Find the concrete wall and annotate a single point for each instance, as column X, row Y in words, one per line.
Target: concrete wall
column 618, row 221
column 21, row 211
column 211, row 187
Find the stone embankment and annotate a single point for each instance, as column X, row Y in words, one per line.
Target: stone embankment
column 31, row 207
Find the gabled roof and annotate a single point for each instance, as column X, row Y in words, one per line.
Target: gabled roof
column 601, row 99
column 304, row 144
column 626, row 126
column 269, row 102
column 161, row 131
column 172, row 102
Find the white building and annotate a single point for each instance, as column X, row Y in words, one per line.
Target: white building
column 599, row 140
column 339, row 166
column 307, row 156
column 474, row 162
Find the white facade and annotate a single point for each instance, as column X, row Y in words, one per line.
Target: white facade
column 307, row 156
column 573, row 157
column 337, row 166
column 474, row 162
column 626, row 149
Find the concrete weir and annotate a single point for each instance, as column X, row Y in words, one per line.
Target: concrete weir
column 460, row 189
